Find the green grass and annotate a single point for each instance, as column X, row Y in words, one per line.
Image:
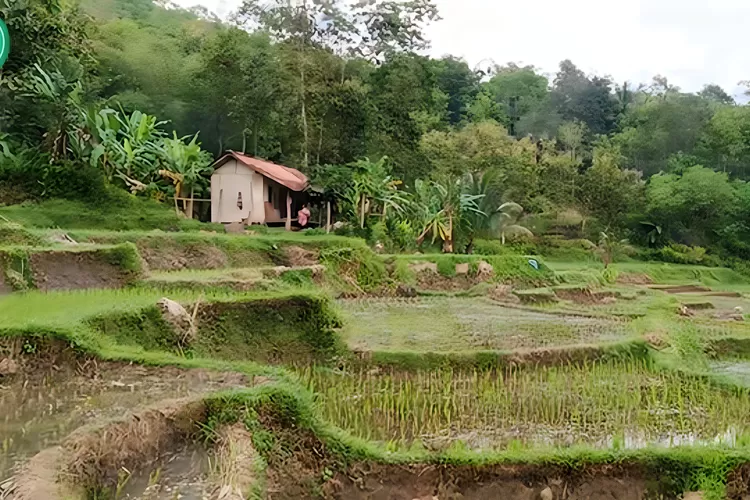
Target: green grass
column 269, row 327
column 504, row 266
column 121, row 213
column 253, row 241
column 282, row 416
column 445, row 324
column 719, row 277
column 566, row 416
column 207, row 275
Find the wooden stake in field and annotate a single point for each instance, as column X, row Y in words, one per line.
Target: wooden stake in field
column 288, row 211
column 328, row 218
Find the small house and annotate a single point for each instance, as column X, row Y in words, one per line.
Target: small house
column 253, row 191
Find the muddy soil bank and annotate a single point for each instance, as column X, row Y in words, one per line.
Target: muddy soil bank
column 75, row 271
column 384, row 482
column 37, row 357
column 174, row 256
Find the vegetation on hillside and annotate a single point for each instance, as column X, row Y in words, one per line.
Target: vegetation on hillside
column 130, row 94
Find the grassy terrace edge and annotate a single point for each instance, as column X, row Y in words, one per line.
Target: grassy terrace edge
column 681, row 468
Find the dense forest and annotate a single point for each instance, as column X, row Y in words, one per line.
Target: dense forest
column 142, row 95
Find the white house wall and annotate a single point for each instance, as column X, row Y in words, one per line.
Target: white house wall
column 227, row 182
column 258, row 212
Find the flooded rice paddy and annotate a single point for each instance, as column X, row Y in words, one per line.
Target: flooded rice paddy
column 460, row 324
column 183, row 474
column 39, row 412
column 605, row 404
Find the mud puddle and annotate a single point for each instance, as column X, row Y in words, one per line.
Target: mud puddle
column 183, row 474
column 736, row 369
column 38, row 412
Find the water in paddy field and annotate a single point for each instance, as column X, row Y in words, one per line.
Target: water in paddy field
column 182, row 474
column 458, row 324
column 40, row 412
column 736, row 369
column 621, row 405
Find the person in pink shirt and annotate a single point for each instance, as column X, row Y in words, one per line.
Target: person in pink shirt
column 303, row 216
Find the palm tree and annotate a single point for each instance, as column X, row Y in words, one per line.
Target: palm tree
column 493, row 218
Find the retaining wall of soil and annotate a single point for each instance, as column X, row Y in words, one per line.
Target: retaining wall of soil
column 461, row 272
column 176, row 251
column 269, row 329
column 409, row 482
column 25, row 268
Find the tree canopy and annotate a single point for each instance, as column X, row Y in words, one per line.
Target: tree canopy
column 131, row 88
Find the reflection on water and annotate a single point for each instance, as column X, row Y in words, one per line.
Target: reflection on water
column 738, row 370
column 632, row 439
column 38, row 413
column 183, row 474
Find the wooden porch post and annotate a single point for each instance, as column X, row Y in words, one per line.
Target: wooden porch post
column 288, row 210
column 328, row 218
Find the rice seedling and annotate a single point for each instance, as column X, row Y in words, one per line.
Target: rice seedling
column 460, row 324
column 622, row 404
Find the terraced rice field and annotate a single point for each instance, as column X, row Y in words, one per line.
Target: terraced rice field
column 616, row 404
column 442, row 324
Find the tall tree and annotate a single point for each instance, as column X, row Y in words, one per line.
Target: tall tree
column 607, row 191
column 726, row 141
column 656, row 128
column 49, row 37
column 590, row 100
column 459, row 83
column 371, row 29
column 518, row 91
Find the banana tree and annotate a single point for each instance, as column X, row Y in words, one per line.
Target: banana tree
column 185, row 165
column 61, row 94
column 477, row 223
column 441, row 208
column 373, row 186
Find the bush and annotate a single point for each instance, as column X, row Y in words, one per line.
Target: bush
column 682, row 254
column 30, row 176
column 402, row 235
column 358, row 264
column 495, row 247
column 16, row 234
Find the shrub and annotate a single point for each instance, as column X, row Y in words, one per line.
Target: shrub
column 121, row 212
column 495, row 247
column 358, row 264
column 682, row 254
column 446, row 266
column 16, row 234
column 30, row 176
column 379, row 234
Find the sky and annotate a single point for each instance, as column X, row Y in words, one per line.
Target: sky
column 691, row 42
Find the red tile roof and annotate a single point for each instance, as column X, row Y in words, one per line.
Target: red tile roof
column 286, row 176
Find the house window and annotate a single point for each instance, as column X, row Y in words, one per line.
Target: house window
column 239, row 200
column 270, row 195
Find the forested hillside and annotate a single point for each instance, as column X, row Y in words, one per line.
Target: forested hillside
column 119, row 91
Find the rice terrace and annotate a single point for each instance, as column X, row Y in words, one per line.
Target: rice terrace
column 295, row 365
column 295, row 249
